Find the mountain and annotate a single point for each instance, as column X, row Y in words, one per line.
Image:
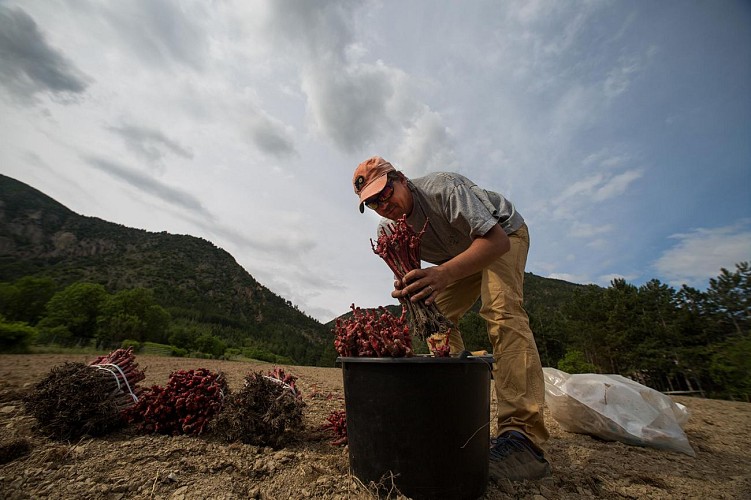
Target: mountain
column 190, row 276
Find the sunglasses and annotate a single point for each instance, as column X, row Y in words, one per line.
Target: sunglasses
column 375, row 201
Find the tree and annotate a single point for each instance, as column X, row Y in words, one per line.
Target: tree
column 15, row 336
column 71, row 314
column 133, row 314
column 574, row 362
column 621, row 331
column 729, row 299
column 584, row 323
column 182, row 336
column 209, row 344
column 731, row 367
column 474, row 332
column 25, row 299
column 549, row 335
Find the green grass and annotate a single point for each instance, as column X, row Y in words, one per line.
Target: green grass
column 58, row 349
column 93, row 351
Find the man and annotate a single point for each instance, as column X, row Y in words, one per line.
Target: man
column 478, row 243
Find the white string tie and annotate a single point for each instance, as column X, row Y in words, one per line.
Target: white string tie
column 107, row 367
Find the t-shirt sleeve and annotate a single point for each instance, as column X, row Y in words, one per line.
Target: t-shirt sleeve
column 468, row 212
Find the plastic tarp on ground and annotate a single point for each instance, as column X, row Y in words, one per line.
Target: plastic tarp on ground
column 616, row 408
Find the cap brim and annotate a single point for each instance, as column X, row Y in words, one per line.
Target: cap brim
column 372, row 189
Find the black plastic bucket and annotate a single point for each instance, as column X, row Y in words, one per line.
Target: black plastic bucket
column 419, row 424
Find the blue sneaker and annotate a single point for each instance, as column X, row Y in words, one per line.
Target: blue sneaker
column 513, row 456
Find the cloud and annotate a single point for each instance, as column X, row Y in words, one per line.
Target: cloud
column 320, row 30
column 271, row 135
column 619, row 78
column 583, row 187
column 599, row 186
column 149, row 185
column 608, row 159
column 277, row 240
column 584, row 230
column 160, row 33
column 346, row 100
column 354, row 102
column 275, row 244
column 571, row 278
column 700, row 254
column 533, row 52
column 600, row 245
column 427, row 145
column 576, row 109
column 149, row 143
column 361, row 105
column 616, row 185
column 29, row 65
column 350, row 104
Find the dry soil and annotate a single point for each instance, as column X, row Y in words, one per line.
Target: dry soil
column 126, row 464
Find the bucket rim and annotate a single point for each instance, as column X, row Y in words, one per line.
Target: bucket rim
column 418, row 359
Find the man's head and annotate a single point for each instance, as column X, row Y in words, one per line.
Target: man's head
column 382, row 188
column 370, row 178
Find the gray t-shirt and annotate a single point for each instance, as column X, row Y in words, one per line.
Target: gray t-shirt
column 458, row 211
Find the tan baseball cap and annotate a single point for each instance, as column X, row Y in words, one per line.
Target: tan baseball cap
column 370, row 178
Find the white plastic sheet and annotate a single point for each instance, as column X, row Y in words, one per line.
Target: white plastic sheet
column 615, row 408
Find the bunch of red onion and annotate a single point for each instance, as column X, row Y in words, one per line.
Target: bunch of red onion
column 184, row 406
column 75, row 399
column 372, row 333
column 122, row 367
column 399, row 247
column 286, row 380
column 267, row 411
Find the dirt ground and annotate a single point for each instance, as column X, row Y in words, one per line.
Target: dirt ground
column 128, row 465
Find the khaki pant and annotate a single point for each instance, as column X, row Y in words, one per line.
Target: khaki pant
column 517, row 371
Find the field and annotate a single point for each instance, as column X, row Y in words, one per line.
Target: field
column 128, row 465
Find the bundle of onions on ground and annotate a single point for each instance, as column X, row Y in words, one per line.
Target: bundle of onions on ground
column 372, row 333
column 76, row 399
column 265, row 412
column 184, row 406
column 399, row 246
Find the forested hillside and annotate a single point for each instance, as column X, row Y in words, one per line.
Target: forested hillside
column 684, row 340
column 201, row 286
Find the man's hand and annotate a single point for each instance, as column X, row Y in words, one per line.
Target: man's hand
column 422, row 284
column 425, row 284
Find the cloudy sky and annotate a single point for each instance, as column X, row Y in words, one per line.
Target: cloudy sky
column 620, row 129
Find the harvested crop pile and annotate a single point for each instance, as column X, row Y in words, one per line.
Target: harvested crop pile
column 287, row 379
column 336, row 423
column 263, row 412
column 399, row 247
column 76, row 399
column 184, row 406
column 372, row 333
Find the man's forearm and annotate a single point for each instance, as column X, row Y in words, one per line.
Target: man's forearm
column 481, row 252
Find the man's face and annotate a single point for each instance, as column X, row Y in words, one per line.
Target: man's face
column 400, row 203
